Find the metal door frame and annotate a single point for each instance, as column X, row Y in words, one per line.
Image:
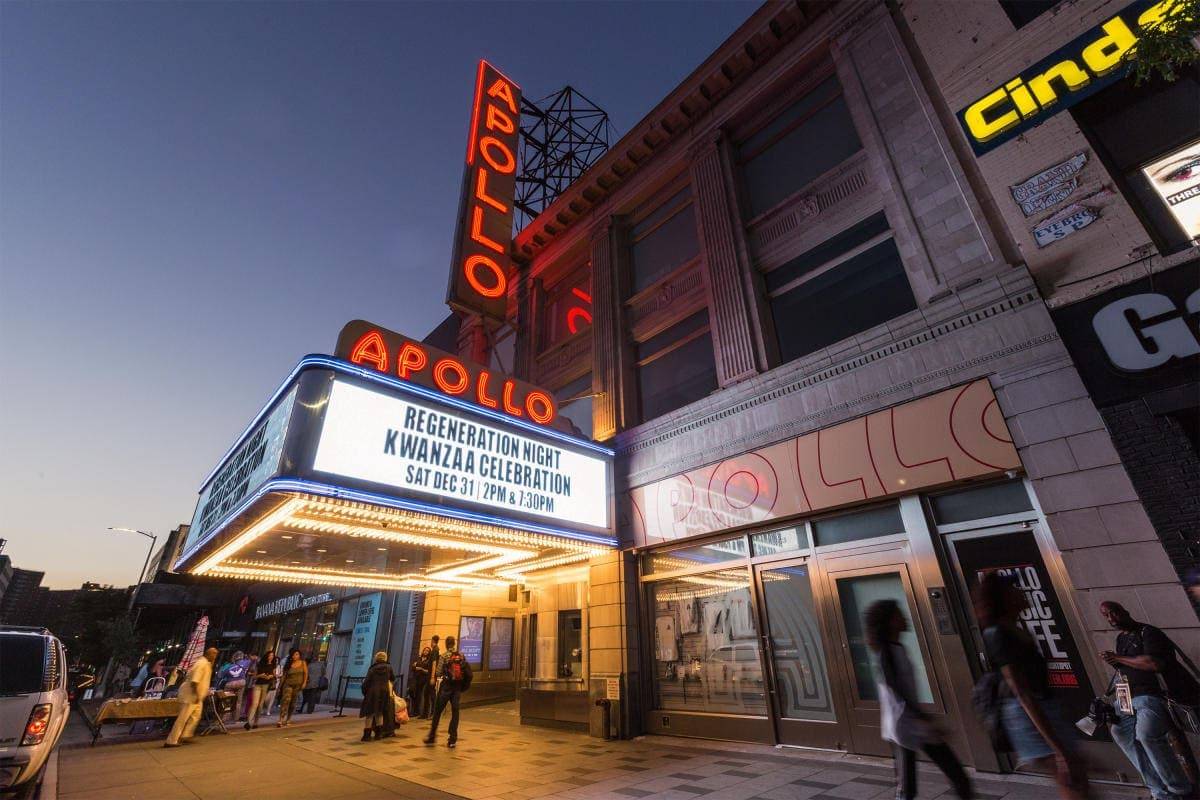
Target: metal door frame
column 790, row 731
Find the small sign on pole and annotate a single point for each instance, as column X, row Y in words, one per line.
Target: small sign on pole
column 612, row 689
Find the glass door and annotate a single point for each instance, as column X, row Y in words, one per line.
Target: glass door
column 798, row 668
column 854, row 591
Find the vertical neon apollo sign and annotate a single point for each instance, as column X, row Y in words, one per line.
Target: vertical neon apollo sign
column 479, row 273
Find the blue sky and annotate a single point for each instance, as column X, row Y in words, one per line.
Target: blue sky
column 193, row 195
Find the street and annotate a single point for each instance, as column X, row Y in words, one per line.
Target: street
column 496, row 760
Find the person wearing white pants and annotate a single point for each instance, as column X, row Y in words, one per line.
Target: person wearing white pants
column 191, row 699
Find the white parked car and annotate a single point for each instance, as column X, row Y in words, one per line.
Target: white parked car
column 33, row 701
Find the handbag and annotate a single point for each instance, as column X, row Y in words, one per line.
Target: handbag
column 1185, row 715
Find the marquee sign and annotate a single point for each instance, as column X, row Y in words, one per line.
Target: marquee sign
column 1070, row 74
column 479, row 272
column 422, row 449
column 393, row 354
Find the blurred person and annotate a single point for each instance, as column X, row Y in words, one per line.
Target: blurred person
column 430, row 698
column 295, row 675
column 192, row 692
column 1037, row 730
column 1146, row 660
column 902, row 723
column 313, row 687
column 265, row 676
column 378, row 710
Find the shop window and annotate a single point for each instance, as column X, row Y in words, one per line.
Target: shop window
column 575, row 403
column 805, row 140
column 851, row 282
column 858, row 526
column 857, row 595
column 1152, row 126
column 567, row 309
column 993, row 500
column 1023, row 12
column 663, row 241
column 706, row 648
column 676, row 367
column 731, row 549
column 784, row 541
column 570, row 644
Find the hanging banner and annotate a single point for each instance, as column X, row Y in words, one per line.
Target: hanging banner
column 479, row 271
column 362, row 642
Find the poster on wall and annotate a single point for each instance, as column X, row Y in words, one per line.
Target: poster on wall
column 362, row 642
column 1176, row 179
column 665, row 647
column 1049, row 187
column 1016, row 555
column 470, row 640
column 500, row 639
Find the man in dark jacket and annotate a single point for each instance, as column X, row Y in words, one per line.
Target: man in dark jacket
column 432, row 662
column 455, row 674
column 1146, row 660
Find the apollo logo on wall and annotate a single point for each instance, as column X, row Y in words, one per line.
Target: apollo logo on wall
column 955, row 434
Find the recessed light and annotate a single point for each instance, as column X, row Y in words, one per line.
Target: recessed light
column 264, row 552
column 381, row 549
column 295, row 562
column 285, row 536
column 349, row 560
column 322, row 550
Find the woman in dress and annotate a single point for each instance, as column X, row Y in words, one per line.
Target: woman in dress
column 1037, row 730
column 902, row 722
column 295, row 675
column 378, row 709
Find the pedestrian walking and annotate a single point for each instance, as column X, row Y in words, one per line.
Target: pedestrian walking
column 454, row 678
column 1031, row 717
column 1150, row 673
column 192, row 692
column 378, row 708
column 263, row 686
column 418, row 682
column 434, row 662
column 295, row 675
column 315, row 684
column 901, row 720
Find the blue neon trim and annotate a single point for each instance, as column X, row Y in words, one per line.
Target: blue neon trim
column 345, row 367
column 280, row 484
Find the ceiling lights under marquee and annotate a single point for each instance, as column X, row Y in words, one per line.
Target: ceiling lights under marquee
column 494, row 555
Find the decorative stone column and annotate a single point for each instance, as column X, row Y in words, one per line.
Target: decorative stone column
column 725, row 271
column 609, row 351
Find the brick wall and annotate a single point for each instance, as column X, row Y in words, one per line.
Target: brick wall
column 1165, row 471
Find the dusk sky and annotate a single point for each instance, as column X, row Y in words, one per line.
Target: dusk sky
column 194, row 195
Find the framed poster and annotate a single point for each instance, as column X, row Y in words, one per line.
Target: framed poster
column 470, row 640
column 500, row 643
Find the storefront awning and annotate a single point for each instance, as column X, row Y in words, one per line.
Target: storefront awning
column 351, row 477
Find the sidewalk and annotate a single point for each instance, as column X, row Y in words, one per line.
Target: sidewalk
column 496, row 760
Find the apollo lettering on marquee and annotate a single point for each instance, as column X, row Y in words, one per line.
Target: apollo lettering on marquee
column 1070, row 74
column 391, row 353
column 479, row 273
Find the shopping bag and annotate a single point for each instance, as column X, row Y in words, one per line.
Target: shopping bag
column 401, row 709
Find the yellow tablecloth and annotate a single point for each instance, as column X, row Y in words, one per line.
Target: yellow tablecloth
column 115, row 710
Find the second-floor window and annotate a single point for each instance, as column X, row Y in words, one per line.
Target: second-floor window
column 675, row 367
column 852, row 281
column 803, row 141
column 575, row 403
column 663, row 240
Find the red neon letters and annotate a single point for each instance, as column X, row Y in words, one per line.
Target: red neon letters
column 430, row 367
column 479, row 274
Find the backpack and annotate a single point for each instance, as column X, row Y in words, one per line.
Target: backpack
column 986, row 698
column 457, row 672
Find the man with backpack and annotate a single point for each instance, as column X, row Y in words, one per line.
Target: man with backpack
column 1150, row 674
column 455, row 678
